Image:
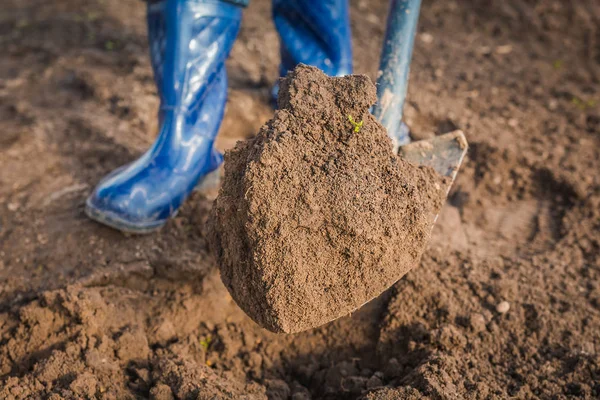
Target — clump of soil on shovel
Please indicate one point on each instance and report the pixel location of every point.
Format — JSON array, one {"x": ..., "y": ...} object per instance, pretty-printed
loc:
[{"x": 316, "y": 215}]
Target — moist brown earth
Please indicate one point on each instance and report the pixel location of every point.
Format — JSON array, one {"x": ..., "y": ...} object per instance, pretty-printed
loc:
[
  {"x": 316, "y": 215},
  {"x": 80, "y": 303}
]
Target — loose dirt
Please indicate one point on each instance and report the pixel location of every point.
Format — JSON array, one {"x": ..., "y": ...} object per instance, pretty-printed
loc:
[
  {"x": 80, "y": 303},
  {"x": 316, "y": 215}
]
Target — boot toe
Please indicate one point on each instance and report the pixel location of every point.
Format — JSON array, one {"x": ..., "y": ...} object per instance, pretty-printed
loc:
[{"x": 128, "y": 209}]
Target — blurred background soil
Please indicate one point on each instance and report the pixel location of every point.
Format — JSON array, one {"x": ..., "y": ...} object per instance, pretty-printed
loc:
[{"x": 505, "y": 303}]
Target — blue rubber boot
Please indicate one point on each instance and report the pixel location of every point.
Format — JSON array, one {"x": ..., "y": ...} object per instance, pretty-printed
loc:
[
  {"x": 189, "y": 43},
  {"x": 314, "y": 32}
]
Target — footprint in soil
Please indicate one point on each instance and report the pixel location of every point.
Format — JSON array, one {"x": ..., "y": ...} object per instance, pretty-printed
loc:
[{"x": 500, "y": 205}]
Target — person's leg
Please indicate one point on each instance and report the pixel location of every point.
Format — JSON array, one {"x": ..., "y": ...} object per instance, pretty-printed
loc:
[
  {"x": 189, "y": 43},
  {"x": 314, "y": 32}
]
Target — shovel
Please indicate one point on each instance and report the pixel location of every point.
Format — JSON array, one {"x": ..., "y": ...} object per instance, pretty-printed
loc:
[{"x": 443, "y": 153}]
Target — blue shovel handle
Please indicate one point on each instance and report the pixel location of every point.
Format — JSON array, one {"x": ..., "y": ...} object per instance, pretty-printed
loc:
[{"x": 392, "y": 82}]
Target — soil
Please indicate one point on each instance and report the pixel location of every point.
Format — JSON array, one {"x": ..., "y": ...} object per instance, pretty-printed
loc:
[
  {"x": 317, "y": 215},
  {"x": 87, "y": 311}
]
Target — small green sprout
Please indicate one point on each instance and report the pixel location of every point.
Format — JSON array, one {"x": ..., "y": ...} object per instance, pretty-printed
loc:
[
  {"x": 92, "y": 16},
  {"x": 583, "y": 104},
  {"x": 205, "y": 342},
  {"x": 356, "y": 125},
  {"x": 22, "y": 24},
  {"x": 557, "y": 64},
  {"x": 109, "y": 45}
]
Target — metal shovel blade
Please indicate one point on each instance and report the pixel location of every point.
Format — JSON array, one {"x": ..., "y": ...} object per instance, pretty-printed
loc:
[{"x": 444, "y": 153}]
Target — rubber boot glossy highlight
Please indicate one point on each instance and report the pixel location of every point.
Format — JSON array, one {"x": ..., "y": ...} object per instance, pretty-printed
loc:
[
  {"x": 314, "y": 32},
  {"x": 189, "y": 43}
]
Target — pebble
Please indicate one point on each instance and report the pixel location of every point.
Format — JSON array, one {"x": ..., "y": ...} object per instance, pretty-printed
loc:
[
  {"x": 484, "y": 50},
  {"x": 505, "y": 49},
  {"x": 503, "y": 307},
  {"x": 426, "y": 37},
  {"x": 372, "y": 18}
]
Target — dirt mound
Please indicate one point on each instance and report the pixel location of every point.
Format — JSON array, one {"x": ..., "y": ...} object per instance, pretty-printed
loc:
[
  {"x": 316, "y": 215},
  {"x": 93, "y": 343}
]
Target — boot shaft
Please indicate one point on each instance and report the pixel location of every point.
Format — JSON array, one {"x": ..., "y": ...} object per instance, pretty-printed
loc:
[
  {"x": 314, "y": 32},
  {"x": 189, "y": 43}
]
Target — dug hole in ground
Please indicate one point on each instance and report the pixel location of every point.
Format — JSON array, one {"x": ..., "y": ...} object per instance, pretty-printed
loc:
[{"x": 505, "y": 302}]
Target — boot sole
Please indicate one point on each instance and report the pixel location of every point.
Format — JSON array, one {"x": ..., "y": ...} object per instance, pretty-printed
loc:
[
  {"x": 210, "y": 182},
  {"x": 114, "y": 221}
]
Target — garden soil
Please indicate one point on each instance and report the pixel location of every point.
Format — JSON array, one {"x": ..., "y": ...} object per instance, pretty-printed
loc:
[
  {"x": 317, "y": 215},
  {"x": 504, "y": 303}
]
